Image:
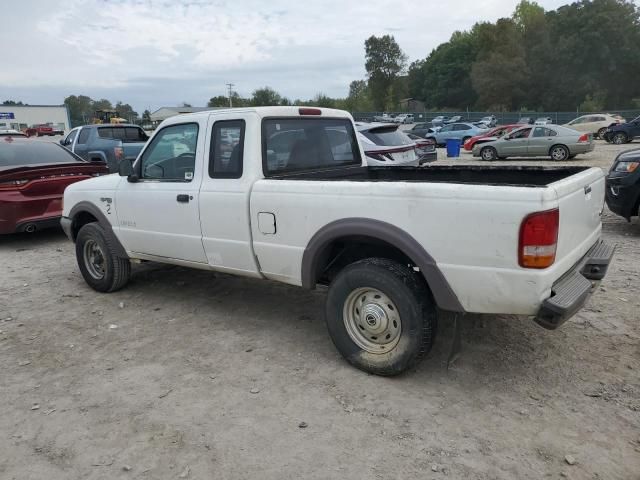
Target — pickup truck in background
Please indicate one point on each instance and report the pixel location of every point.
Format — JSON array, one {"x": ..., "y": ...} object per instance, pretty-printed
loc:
[
  {"x": 106, "y": 143},
  {"x": 39, "y": 131},
  {"x": 273, "y": 193}
]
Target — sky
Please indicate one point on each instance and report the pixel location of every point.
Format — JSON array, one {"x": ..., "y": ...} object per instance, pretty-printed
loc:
[{"x": 153, "y": 53}]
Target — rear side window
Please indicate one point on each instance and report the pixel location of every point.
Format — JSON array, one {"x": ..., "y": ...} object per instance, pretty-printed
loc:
[
  {"x": 84, "y": 136},
  {"x": 388, "y": 136},
  {"x": 19, "y": 153},
  {"x": 298, "y": 144},
  {"x": 105, "y": 132},
  {"x": 227, "y": 149},
  {"x": 461, "y": 126},
  {"x": 134, "y": 134}
]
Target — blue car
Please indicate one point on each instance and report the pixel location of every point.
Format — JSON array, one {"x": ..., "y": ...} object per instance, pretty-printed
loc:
[{"x": 461, "y": 131}]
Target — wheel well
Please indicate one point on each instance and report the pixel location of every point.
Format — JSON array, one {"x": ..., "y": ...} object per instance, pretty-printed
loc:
[
  {"x": 346, "y": 250},
  {"x": 80, "y": 219}
]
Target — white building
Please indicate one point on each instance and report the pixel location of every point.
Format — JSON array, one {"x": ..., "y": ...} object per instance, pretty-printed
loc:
[
  {"x": 165, "y": 112},
  {"x": 22, "y": 116}
]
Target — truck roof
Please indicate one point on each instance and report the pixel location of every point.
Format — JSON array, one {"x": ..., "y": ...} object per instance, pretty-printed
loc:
[{"x": 293, "y": 111}]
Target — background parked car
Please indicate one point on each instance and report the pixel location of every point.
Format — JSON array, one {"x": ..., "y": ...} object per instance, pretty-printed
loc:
[
  {"x": 543, "y": 121},
  {"x": 461, "y": 131},
  {"x": 404, "y": 118},
  {"x": 33, "y": 176},
  {"x": 488, "y": 122},
  {"x": 39, "y": 131},
  {"x": 490, "y": 135},
  {"x": 385, "y": 145},
  {"x": 454, "y": 119},
  {"x": 623, "y": 185},
  {"x": 623, "y": 132},
  {"x": 596, "y": 123},
  {"x": 422, "y": 129},
  {"x": 106, "y": 143},
  {"x": 439, "y": 121},
  {"x": 11, "y": 133},
  {"x": 526, "y": 121},
  {"x": 384, "y": 118},
  {"x": 559, "y": 143},
  {"x": 426, "y": 149}
]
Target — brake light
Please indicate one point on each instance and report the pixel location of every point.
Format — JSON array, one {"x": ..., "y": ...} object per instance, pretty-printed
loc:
[
  {"x": 539, "y": 239},
  {"x": 584, "y": 138},
  {"x": 119, "y": 151},
  {"x": 309, "y": 111}
]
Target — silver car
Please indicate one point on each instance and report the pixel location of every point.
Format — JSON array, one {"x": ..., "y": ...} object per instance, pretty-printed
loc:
[{"x": 559, "y": 143}]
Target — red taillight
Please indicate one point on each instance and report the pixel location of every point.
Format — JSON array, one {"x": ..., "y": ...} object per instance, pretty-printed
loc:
[
  {"x": 119, "y": 153},
  {"x": 539, "y": 239},
  {"x": 584, "y": 138},
  {"x": 309, "y": 111}
]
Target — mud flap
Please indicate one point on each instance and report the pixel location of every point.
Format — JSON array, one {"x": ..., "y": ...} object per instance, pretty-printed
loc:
[{"x": 456, "y": 344}]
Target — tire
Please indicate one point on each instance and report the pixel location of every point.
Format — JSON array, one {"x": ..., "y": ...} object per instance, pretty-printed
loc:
[
  {"x": 488, "y": 154},
  {"x": 559, "y": 153},
  {"x": 381, "y": 316},
  {"x": 601, "y": 132},
  {"x": 619, "y": 138},
  {"x": 101, "y": 268}
]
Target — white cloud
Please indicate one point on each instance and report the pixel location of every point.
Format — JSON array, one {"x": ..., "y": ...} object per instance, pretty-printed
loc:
[{"x": 142, "y": 51}]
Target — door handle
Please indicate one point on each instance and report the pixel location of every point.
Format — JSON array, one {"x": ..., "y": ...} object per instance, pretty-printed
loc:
[{"x": 183, "y": 198}]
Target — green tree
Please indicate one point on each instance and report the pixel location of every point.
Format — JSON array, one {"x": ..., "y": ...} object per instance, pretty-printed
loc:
[
  {"x": 126, "y": 111},
  {"x": 265, "y": 96},
  {"x": 12, "y": 103},
  {"x": 384, "y": 62},
  {"x": 80, "y": 109},
  {"x": 146, "y": 116}
]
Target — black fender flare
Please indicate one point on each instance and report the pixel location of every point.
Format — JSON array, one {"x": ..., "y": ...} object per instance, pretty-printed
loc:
[
  {"x": 443, "y": 294},
  {"x": 102, "y": 220}
]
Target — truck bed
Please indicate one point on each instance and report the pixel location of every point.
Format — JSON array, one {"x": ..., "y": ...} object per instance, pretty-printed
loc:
[{"x": 525, "y": 176}]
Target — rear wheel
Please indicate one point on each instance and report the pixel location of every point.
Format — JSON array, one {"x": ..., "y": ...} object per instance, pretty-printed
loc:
[
  {"x": 101, "y": 268},
  {"x": 619, "y": 138},
  {"x": 559, "y": 153},
  {"x": 489, "y": 153},
  {"x": 380, "y": 316}
]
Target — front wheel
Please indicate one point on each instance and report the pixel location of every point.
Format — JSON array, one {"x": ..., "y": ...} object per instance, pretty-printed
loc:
[
  {"x": 601, "y": 133},
  {"x": 559, "y": 153},
  {"x": 101, "y": 268},
  {"x": 380, "y": 316},
  {"x": 619, "y": 138},
  {"x": 489, "y": 153}
]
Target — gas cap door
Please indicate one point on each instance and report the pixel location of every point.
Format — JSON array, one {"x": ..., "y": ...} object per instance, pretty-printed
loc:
[{"x": 267, "y": 223}]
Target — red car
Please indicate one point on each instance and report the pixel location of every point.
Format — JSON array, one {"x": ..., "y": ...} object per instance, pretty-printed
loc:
[
  {"x": 33, "y": 176},
  {"x": 39, "y": 131},
  {"x": 490, "y": 135}
]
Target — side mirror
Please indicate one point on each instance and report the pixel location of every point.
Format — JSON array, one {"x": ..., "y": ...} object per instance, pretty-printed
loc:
[
  {"x": 63, "y": 142},
  {"x": 125, "y": 169}
]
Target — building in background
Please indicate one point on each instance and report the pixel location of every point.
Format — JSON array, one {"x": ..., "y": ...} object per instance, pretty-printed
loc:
[
  {"x": 18, "y": 117},
  {"x": 165, "y": 112}
]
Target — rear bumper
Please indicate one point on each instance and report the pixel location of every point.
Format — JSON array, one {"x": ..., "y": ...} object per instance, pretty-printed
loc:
[
  {"x": 428, "y": 157},
  {"x": 571, "y": 291}
]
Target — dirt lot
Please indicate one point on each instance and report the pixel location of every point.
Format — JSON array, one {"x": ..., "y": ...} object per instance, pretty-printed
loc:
[{"x": 186, "y": 374}]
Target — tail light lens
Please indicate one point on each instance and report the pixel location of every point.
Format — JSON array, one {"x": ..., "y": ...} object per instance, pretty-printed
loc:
[
  {"x": 380, "y": 157},
  {"x": 119, "y": 151},
  {"x": 309, "y": 111},
  {"x": 584, "y": 138},
  {"x": 539, "y": 239}
]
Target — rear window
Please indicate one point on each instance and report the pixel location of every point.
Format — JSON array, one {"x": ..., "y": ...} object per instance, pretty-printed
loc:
[
  {"x": 21, "y": 153},
  {"x": 126, "y": 134},
  {"x": 298, "y": 144},
  {"x": 387, "y": 136}
]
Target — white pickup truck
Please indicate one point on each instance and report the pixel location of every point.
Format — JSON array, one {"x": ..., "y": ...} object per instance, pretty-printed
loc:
[{"x": 280, "y": 193}]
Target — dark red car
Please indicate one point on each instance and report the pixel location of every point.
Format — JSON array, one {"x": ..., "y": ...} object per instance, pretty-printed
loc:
[
  {"x": 39, "y": 131},
  {"x": 33, "y": 176},
  {"x": 490, "y": 135}
]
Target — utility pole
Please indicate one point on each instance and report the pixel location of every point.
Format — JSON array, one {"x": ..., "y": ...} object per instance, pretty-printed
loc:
[{"x": 230, "y": 85}]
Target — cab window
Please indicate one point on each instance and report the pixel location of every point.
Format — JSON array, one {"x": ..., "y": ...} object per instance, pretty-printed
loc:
[
  {"x": 171, "y": 156},
  {"x": 227, "y": 149}
]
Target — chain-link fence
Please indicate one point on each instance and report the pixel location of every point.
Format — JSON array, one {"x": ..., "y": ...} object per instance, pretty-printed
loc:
[{"x": 503, "y": 118}]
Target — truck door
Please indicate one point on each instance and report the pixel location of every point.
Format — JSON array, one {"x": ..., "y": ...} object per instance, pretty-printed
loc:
[
  {"x": 226, "y": 189},
  {"x": 159, "y": 215}
]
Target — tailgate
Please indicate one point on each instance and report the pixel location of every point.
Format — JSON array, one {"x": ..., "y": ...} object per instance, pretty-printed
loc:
[{"x": 581, "y": 200}]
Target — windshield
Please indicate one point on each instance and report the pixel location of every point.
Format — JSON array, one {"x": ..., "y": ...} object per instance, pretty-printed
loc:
[{"x": 22, "y": 153}]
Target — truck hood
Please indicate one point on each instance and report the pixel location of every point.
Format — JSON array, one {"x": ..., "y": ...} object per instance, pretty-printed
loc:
[{"x": 104, "y": 182}]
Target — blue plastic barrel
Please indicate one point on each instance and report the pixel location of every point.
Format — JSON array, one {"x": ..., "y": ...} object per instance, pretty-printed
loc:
[{"x": 453, "y": 147}]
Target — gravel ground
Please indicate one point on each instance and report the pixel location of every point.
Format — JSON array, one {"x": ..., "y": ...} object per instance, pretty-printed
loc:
[{"x": 187, "y": 374}]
